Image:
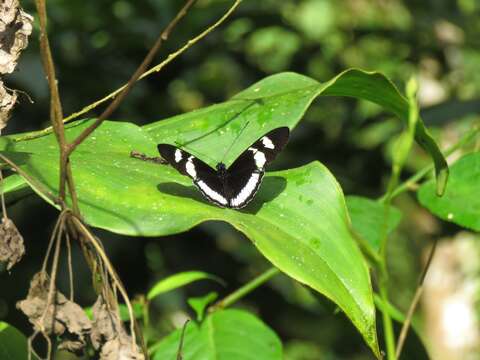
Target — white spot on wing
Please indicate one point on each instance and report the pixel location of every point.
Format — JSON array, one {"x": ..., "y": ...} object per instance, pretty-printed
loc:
[
  {"x": 178, "y": 155},
  {"x": 260, "y": 159},
  {"x": 268, "y": 143},
  {"x": 190, "y": 168},
  {"x": 247, "y": 190},
  {"x": 209, "y": 192}
]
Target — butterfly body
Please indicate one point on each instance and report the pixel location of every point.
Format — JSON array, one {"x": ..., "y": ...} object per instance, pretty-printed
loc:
[{"x": 232, "y": 187}]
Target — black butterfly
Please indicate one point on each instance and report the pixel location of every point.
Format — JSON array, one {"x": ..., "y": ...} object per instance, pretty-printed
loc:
[{"x": 236, "y": 186}]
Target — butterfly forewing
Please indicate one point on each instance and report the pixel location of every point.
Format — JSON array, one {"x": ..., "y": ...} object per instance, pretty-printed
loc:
[
  {"x": 203, "y": 176},
  {"x": 235, "y": 187},
  {"x": 246, "y": 173}
]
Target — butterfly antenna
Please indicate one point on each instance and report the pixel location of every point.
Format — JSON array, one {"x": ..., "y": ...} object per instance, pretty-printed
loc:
[
  {"x": 234, "y": 141},
  {"x": 182, "y": 146}
]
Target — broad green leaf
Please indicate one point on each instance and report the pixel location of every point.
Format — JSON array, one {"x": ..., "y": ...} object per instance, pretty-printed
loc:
[
  {"x": 281, "y": 100},
  {"x": 376, "y": 88},
  {"x": 199, "y": 304},
  {"x": 298, "y": 220},
  {"x": 223, "y": 335},
  {"x": 13, "y": 344},
  {"x": 461, "y": 202},
  {"x": 368, "y": 218},
  {"x": 179, "y": 280}
]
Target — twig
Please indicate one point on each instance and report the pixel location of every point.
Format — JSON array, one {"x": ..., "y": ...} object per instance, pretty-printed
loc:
[
  {"x": 245, "y": 289},
  {"x": 136, "y": 75},
  {"x": 416, "y": 298},
  {"x": 57, "y": 235},
  {"x": 106, "y": 261},
  {"x": 56, "y": 114},
  {"x": 154, "y": 69},
  {"x": 70, "y": 265},
  {"x": 40, "y": 188},
  {"x": 4, "y": 207},
  {"x": 141, "y": 156},
  {"x": 182, "y": 338},
  {"x": 52, "y": 239}
]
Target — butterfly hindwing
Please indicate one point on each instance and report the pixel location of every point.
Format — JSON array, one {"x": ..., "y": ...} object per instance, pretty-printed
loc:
[{"x": 203, "y": 176}]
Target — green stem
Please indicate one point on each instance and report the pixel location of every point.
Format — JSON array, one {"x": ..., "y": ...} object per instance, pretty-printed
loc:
[
  {"x": 245, "y": 289},
  {"x": 387, "y": 322},
  {"x": 468, "y": 137},
  {"x": 403, "y": 146}
]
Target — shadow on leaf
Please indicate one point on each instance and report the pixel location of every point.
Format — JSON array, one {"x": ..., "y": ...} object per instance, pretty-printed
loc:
[{"x": 271, "y": 187}]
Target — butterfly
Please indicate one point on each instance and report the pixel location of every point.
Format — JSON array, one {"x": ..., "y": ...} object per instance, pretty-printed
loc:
[{"x": 236, "y": 186}]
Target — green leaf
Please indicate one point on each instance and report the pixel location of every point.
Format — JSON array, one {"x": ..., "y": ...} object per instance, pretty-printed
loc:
[
  {"x": 281, "y": 100},
  {"x": 461, "y": 202},
  {"x": 368, "y": 218},
  {"x": 179, "y": 280},
  {"x": 122, "y": 194},
  {"x": 14, "y": 187},
  {"x": 224, "y": 335},
  {"x": 13, "y": 344},
  {"x": 298, "y": 220},
  {"x": 199, "y": 304},
  {"x": 12, "y": 183}
]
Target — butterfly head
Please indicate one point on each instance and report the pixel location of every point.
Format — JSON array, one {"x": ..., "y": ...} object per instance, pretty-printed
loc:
[{"x": 221, "y": 169}]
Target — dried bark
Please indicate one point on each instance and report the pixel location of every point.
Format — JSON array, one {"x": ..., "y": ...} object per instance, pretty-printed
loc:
[
  {"x": 109, "y": 337},
  {"x": 15, "y": 27},
  {"x": 12, "y": 248},
  {"x": 62, "y": 317}
]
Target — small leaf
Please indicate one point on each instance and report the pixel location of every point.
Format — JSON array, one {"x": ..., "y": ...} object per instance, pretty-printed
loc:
[
  {"x": 13, "y": 344},
  {"x": 461, "y": 202},
  {"x": 368, "y": 218},
  {"x": 199, "y": 304},
  {"x": 179, "y": 280},
  {"x": 224, "y": 335}
]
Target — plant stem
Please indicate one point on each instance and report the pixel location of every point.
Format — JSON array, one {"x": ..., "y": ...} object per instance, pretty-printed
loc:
[
  {"x": 245, "y": 289},
  {"x": 468, "y": 137},
  {"x": 403, "y": 146},
  {"x": 411, "y": 310},
  {"x": 387, "y": 322}
]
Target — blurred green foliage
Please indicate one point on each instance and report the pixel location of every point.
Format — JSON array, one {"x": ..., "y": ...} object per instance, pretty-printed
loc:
[{"x": 98, "y": 44}]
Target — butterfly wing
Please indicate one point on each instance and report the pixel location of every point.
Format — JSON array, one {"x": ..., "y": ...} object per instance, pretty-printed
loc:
[
  {"x": 245, "y": 175},
  {"x": 203, "y": 176}
]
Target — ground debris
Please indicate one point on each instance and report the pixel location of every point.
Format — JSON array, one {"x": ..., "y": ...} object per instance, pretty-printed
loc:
[
  {"x": 12, "y": 248},
  {"x": 62, "y": 318},
  {"x": 109, "y": 337}
]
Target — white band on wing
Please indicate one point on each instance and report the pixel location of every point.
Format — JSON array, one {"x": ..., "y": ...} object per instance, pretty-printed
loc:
[
  {"x": 212, "y": 194},
  {"x": 247, "y": 190}
]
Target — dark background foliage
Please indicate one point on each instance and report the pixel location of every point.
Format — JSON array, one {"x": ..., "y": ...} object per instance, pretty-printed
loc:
[{"x": 98, "y": 44}]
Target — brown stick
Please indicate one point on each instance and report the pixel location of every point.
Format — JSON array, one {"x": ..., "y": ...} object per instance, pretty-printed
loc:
[
  {"x": 413, "y": 305},
  {"x": 140, "y": 70},
  {"x": 56, "y": 114}
]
